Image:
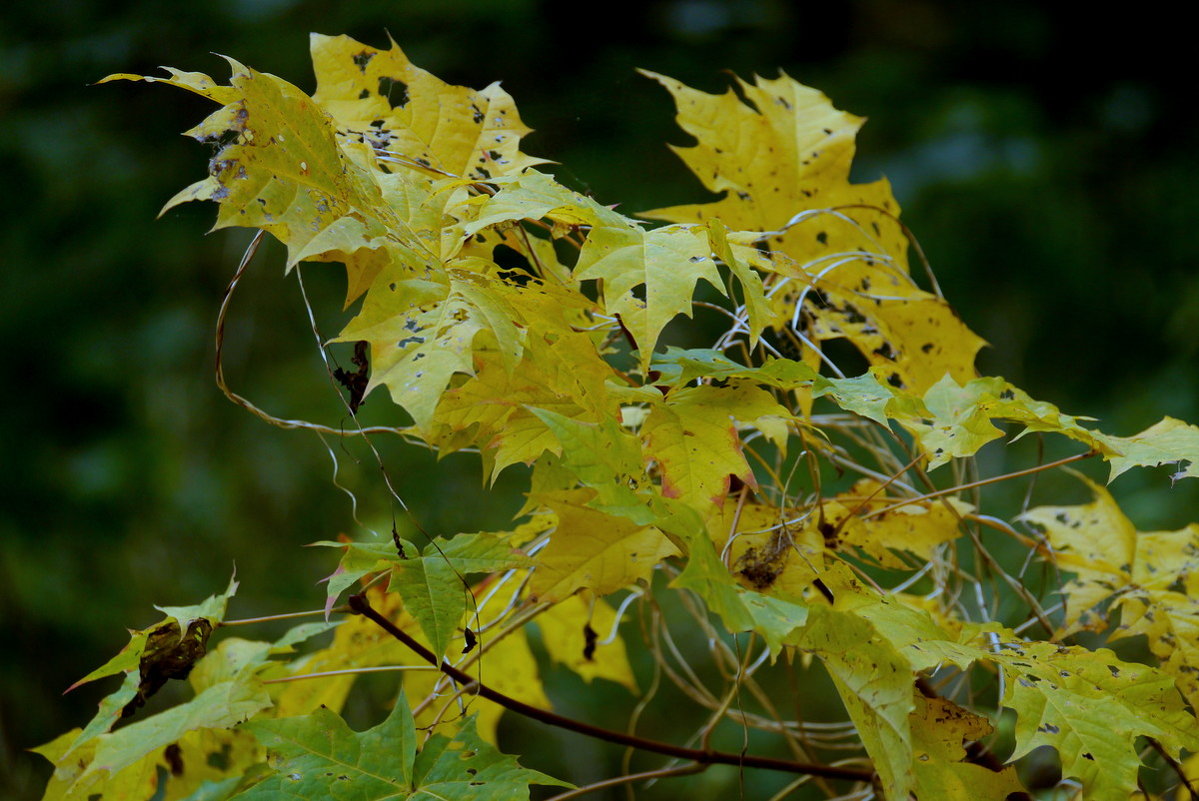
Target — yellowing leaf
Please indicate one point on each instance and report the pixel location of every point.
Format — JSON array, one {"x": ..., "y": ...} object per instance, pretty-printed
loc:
[
  {"x": 939, "y": 730},
  {"x": 875, "y": 683},
  {"x": 561, "y": 372},
  {"x": 1096, "y": 542},
  {"x": 693, "y": 435},
  {"x": 917, "y": 528},
  {"x": 573, "y": 632},
  {"x": 357, "y": 642},
  {"x": 787, "y": 152},
  {"x": 1170, "y": 622},
  {"x": 74, "y": 781},
  {"x": 423, "y": 332},
  {"x": 534, "y": 195},
  {"x": 594, "y": 550},
  {"x": 771, "y": 550},
  {"x": 666, "y": 262}
]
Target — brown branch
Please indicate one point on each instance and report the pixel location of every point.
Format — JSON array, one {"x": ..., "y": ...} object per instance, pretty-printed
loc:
[
  {"x": 1174, "y": 766},
  {"x": 361, "y": 605}
]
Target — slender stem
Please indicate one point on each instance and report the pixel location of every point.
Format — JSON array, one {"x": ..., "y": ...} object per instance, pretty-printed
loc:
[
  {"x": 632, "y": 777},
  {"x": 362, "y": 606},
  {"x": 992, "y": 480},
  {"x": 285, "y": 616},
  {"x": 349, "y": 672}
]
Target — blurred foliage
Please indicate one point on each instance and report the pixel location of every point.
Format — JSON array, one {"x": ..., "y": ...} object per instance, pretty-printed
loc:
[{"x": 1047, "y": 171}]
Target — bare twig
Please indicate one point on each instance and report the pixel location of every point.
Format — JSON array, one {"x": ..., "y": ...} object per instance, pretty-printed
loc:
[{"x": 362, "y": 606}]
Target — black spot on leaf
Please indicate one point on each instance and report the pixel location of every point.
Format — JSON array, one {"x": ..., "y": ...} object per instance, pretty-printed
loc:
[
  {"x": 395, "y": 90},
  {"x": 362, "y": 59}
]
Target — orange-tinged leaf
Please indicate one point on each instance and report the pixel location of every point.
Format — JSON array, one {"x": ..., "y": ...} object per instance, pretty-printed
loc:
[{"x": 693, "y": 436}]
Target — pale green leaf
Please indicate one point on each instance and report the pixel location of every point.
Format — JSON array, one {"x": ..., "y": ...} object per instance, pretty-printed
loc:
[
  {"x": 222, "y": 705},
  {"x": 875, "y": 683},
  {"x": 666, "y": 263},
  {"x": 604, "y": 457},
  {"x": 1168, "y": 441},
  {"x": 319, "y": 757},
  {"x": 593, "y": 549}
]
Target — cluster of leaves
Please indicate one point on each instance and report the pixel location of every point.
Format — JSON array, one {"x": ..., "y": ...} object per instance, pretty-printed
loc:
[{"x": 784, "y": 501}]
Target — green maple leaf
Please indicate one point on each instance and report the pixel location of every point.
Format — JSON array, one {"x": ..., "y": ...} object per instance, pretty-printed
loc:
[
  {"x": 433, "y": 585},
  {"x": 1091, "y": 707},
  {"x": 1167, "y": 441},
  {"x": 357, "y": 560},
  {"x": 318, "y": 756},
  {"x": 605, "y": 458}
]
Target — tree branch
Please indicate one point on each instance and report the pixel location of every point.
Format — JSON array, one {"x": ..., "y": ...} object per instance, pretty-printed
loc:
[{"x": 360, "y": 605}]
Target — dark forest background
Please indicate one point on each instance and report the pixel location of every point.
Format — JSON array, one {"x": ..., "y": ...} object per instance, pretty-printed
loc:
[{"x": 1048, "y": 164}]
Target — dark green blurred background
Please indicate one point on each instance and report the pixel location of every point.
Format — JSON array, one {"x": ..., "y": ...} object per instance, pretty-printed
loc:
[{"x": 1048, "y": 164}]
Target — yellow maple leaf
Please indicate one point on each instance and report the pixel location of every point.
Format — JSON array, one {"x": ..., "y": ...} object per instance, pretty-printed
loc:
[
  {"x": 405, "y": 113},
  {"x": 575, "y": 634},
  {"x": 782, "y": 160}
]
